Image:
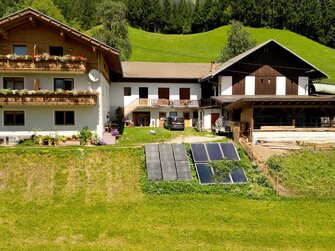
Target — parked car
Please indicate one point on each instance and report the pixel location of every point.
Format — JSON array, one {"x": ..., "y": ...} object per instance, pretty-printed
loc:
[{"x": 174, "y": 123}]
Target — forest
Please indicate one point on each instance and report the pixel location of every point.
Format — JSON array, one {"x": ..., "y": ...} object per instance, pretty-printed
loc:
[{"x": 314, "y": 19}]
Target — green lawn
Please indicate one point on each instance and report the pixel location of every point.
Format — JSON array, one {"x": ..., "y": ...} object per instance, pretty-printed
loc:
[
  {"x": 141, "y": 135},
  {"x": 306, "y": 172},
  {"x": 91, "y": 199},
  {"x": 205, "y": 47}
]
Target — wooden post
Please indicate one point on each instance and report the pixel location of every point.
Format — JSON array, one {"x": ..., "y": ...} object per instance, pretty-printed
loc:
[
  {"x": 293, "y": 117},
  {"x": 331, "y": 118},
  {"x": 236, "y": 134}
]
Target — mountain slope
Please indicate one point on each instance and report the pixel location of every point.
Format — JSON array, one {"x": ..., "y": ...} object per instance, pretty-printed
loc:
[{"x": 206, "y": 47}]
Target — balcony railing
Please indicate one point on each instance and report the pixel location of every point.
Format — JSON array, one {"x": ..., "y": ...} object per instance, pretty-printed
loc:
[
  {"x": 49, "y": 98},
  {"x": 51, "y": 63},
  {"x": 166, "y": 103}
]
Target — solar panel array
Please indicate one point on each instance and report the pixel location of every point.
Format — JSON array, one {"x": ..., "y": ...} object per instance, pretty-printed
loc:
[
  {"x": 207, "y": 152},
  {"x": 167, "y": 162}
]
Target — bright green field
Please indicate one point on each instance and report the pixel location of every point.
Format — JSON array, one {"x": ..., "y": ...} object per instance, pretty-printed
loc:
[
  {"x": 141, "y": 135},
  {"x": 306, "y": 172},
  {"x": 206, "y": 47},
  {"x": 91, "y": 199}
]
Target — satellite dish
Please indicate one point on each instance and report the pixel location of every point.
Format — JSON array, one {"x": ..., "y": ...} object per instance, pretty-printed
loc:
[{"x": 94, "y": 75}]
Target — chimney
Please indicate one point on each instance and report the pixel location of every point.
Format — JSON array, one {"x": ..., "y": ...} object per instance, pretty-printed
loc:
[{"x": 213, "y": 66}]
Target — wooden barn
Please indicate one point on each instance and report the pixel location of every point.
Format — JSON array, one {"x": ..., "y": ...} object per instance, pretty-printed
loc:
[{"x": 266, "y": 91}]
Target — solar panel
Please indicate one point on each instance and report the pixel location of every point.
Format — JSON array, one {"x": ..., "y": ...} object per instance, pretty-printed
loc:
[
  {"x": 165, "y": 147},
  {"x": 152, "y": 157},
  {"x": 154, "y": 171},
  {"x": 199, "y": 153},
  {"x": 204, "y": 173},
  {"x": 229, "y": 151},
  {"x": 238, "y": 175},
  {"x": 222, "y": 179},
  {"x": 214, "y": 151},
  {"x": 169, "y": 170},
  {"x": 183, "y": 170},
  {"x": 151, "y": 148},
  {"x": 179, "y": 152},
  {"x": 166, "y": 156}
]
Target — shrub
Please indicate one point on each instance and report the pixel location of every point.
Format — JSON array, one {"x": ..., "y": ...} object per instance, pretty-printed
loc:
[{"x": 85, "y": 134}]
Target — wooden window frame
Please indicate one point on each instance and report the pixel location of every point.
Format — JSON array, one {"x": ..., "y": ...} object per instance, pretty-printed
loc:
[
  {"x": 64, "y": 118},
  {"x": 72, "y": 85},
  {"x": 14, "y": 112},
  {"x": 127, "y": 91},
  {"x": 22, "y": 46},
  {"x": 5, "y": 79}
]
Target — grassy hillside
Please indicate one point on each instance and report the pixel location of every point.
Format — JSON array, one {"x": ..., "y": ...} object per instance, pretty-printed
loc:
[
  {"x": 91, "y": 199},
  {"x": 205, "y": 47}
]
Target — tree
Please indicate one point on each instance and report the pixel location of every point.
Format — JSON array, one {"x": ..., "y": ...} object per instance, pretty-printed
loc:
[
  {"x": 114, "y": 30},
  {"x": 46, "y": 6},
  {"x": 238, "y": 42}
]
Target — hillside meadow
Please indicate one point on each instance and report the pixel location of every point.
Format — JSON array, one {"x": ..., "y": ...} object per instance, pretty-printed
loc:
[
  {"x": 82, "y": 198},
  {"x": 206, "y": 47}
]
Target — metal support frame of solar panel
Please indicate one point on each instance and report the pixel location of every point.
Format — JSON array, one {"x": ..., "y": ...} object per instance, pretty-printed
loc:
[{"x": 153, "y": 164}]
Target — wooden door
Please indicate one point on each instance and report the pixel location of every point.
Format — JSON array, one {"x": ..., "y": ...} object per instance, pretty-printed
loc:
[
  {"x": 238, "y": 85},
  {"x": 291, "y": 86},
  {"x": 184, "y": 93},
  {"x": 186, "y": 116},
  {"x": 162, "y": 116},
  {"x": 265, "y": 86},
  {"x": 164, "y": 93},
  {"x": 214, "y": 117}
]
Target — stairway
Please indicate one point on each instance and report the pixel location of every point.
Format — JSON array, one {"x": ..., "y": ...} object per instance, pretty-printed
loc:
[{"x": 108, "y": 139}]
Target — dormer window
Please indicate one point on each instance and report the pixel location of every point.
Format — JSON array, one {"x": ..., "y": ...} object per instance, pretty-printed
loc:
[
  {"x": 56, "y": 51},
  {"x": 20, "y": 50}
]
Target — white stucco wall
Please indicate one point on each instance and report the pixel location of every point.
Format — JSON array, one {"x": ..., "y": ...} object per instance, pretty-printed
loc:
[
  {"x": 226, "y": 85},
  {"x": 42, "y": 117},
  {"x": 250, "y": 85},
  {"x": 117, "y": 97},
  {"x": 302, "y": 83},
  {"x": 280, "y": 85},
  {"x": 206, "y": 120}
]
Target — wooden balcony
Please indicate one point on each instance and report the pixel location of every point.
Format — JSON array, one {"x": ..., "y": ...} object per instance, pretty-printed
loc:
[
  {"x": 156, "y": 103},
  {"x": 42, "y": 65},
  {"x": 83, "y": 98}
]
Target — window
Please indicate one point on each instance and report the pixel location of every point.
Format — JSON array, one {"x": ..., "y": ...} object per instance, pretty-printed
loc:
[
  {"x": 64, "y": 117},
  {"x": 56, "y": 50},
  {"x": 13, "y": 118},
  {"x": 13, "y": 83},
  {"x": 63, "y": 84},
  {"x": 127, "y": 91},
  {"x": 143, "y": 91},
  {"x": 172, "y": 114},
  {"x": 20, "y": 50}
]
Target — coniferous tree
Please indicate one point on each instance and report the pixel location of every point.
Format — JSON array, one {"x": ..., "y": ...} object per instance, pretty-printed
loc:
[{"x": 115, "y": 27}]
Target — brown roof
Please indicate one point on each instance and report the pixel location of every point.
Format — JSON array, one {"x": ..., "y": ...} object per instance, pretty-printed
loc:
[
  {"x": 111, "y": 55},
  {"x": 155, "y": 70}
]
